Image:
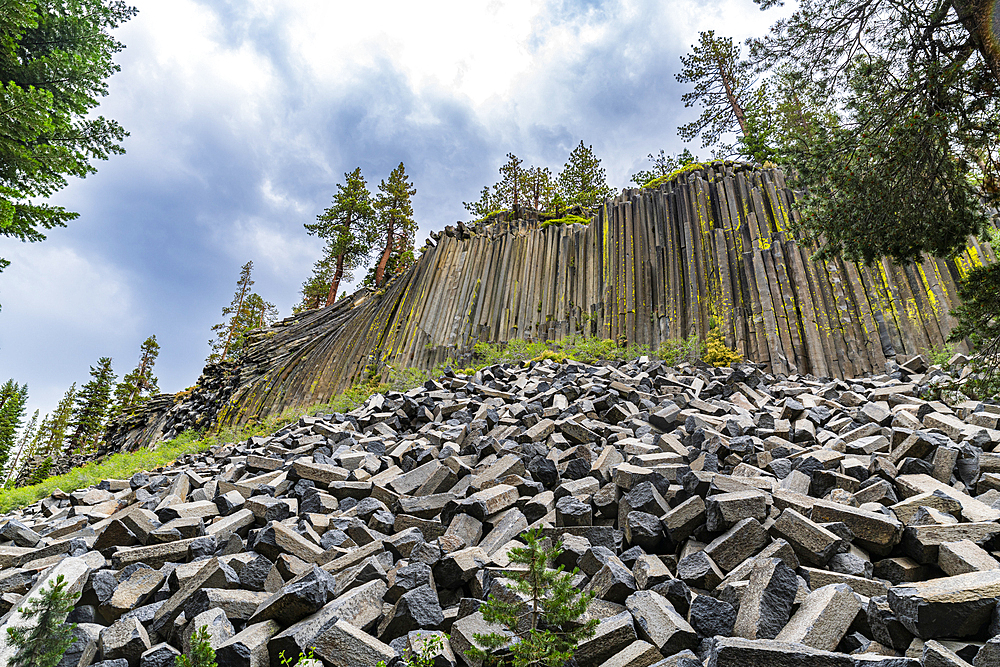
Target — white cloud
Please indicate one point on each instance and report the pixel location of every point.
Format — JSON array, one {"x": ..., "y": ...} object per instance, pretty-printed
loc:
[
  {"x": 61, "y": 312},
  {"x": 49, "y": 285}
]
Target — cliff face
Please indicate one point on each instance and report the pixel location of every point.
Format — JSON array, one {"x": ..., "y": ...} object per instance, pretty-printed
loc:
[{"x": 710, "y": 248}]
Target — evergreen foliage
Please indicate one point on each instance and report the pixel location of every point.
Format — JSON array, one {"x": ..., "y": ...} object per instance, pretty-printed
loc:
[
  {"x": 347, "y": 227},
  {"x": 979, "y": 321},
  {"x": 510, "y": 189},
  {"x": 663, "y": 166},
  {"x": 27, "y": 438},
  {"x": 582, "y": 181},
  {"x": 139, "y": 384},
  {"x": 487, "y": 203},
  {"x": 55, "y": 59},
  {"x": 540, "y": 190},
  {"x": 533, "y": 188},
  {"x": 395, "y": 227},
  {"x": 722, "y": 87},
  {"x": 246, "y": 312},
  {"x": 316, "y": 288},
  {"x": 899, "y": 144},
  {"x": 201, "y": 654},
  {"x": 547, "y": 623},
  {"x": 44, "y": 643},
  {"x": 48, "y": 440},
  {"x": 13, "y": 398},
  {"x": 93, "y": 404}
]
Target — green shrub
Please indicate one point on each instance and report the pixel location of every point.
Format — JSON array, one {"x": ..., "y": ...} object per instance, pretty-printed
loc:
[
  {"x": 939, "y": 356},
  {"x": 676, "y": 351},
  {"x": 305, "y": 658},
  {"x": 979, "y": 321},
  {"x": 716, "y": 353},
  {"x": 430, "y": 648},
  {"x": 404, "y": 379}
]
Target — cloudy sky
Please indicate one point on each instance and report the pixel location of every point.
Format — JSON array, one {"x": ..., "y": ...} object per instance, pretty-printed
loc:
[{"x": 244, "y": 114}]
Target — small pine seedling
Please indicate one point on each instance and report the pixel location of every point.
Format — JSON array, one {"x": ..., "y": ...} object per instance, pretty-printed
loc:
[
  {"x": 44, "y": 643},
  {"x": 432, "y": 645},
  {"x": 202, "y": 653},
  {"x": 546, "y": 624},
  {"x": 305, "y": 658}
]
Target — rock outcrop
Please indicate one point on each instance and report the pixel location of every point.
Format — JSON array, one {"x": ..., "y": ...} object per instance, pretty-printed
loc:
[{"x": 710, "y": 249}]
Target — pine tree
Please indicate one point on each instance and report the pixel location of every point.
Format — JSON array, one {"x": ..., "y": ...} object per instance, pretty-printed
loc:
[
  {"x": 553, "y": 608},
  {"x": 539, "y": 189},
  {"x": 908, "y": 165},
  {"x": 723, "y": 86},
  {"x": 140, "y": 384},
  {"x": 316, "y": 289},
  {"x": 201, "y": 654},
  {"x": 247, "y": 311},
  {"x": 228, "y": 329},
  {"x": 48, "y": 440},
  {"x": 510, "y": 189},
  {"x": 582, "y": 181},
  {"x": 92, "y": 406},
  {"x": 55, "y": 59},
  {"x": 487, "y": 203},
  {"x": 347, "y": 227},
  {"x": 59, "y": 423},
  {"x": 44, "y": 643},
  {"x": 395, "y": 226},
  {"x": 13, "y": 398},
  {"x": 28, "y": 435},
  {"x": 663, "y": 165}
]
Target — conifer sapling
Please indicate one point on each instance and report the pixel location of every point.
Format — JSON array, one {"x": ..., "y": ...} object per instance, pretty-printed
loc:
[
  {"x": 545, "y": 617},
  {"x": 44, "y": 643},
  {"x": 201, "y": 653}
]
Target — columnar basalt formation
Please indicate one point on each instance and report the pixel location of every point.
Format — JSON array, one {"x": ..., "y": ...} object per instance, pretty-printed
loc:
[{"x": 710, "y": 248}]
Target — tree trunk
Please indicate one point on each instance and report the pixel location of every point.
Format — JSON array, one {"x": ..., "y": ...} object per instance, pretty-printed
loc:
[
  {"x": 389, "y": 243},
  {"x": 982, "y": 19},
  {"x": 734, "y": 103},
  {"x": 331, "y": 297}
]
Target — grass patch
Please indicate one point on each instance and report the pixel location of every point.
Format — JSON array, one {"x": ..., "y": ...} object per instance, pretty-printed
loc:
[
  {"x": 585, "y": 350},
  {"x": 116, "y": 466},
  {"x": 577, "y": 348},
  {"x": 126, "y": 464}
]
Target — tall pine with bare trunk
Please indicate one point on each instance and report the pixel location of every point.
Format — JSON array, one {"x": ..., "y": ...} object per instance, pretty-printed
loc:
[
  {"x": 347, "y": 228},
  {"x": 723, "y": 87},
  {"x": 395, "y": 227},
  {"x": 93, "y": 404},
  {"x": 246, "y": 312}
]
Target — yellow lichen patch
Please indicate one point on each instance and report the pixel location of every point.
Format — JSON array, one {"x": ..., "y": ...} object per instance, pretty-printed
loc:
[{"x": 931, "y": 297}]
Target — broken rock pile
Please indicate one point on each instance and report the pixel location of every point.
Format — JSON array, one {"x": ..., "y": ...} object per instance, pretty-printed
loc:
[{"x": 722, "y": 517}]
